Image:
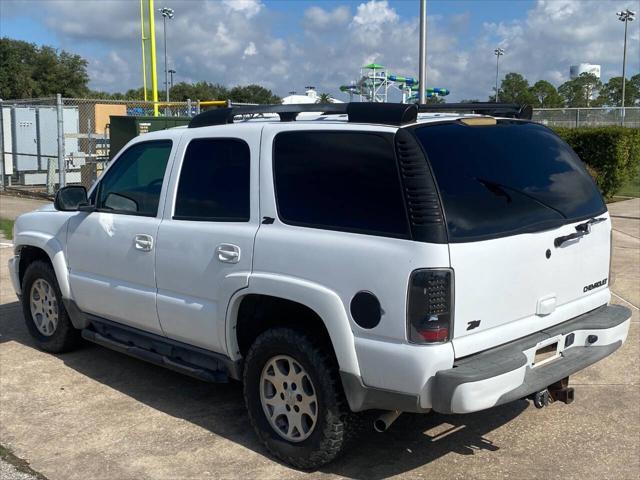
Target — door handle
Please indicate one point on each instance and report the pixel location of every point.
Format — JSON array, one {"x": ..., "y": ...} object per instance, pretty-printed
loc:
[
  {"x": 143, "y": 242},
  {"x": 228, "y": 253}
]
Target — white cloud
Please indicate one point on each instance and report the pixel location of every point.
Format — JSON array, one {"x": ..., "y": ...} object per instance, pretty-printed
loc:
[
  {"x": 371, "y": 18},
  {"x": 250, "y": 51},
  {"x": 320, "y": 19},
  {"x": 250, "y": 8},
  {"x": 374, "y": 13},
  {"x": 239, "y": 42}
]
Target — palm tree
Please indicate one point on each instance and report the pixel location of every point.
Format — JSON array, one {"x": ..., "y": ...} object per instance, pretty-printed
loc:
[{"x": 324, "y": 98}]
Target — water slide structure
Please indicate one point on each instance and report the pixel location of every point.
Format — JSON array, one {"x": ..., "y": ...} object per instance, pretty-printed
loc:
[{"x": 375, "y": 82}]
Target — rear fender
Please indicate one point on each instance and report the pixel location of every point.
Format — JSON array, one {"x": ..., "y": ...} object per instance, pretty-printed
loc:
[{"x": 323, "y": 301}]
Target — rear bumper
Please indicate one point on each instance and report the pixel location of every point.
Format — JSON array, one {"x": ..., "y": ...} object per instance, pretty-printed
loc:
[
  {"x": 507, "y": 373},
  {"x": 414, "y": 379}
]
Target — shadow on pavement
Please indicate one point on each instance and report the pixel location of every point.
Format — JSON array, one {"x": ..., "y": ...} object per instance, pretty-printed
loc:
[{"x": 413, "y": 441}]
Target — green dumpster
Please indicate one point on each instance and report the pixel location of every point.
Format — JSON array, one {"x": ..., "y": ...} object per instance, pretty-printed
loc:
[{"x": 124, "y": 128}]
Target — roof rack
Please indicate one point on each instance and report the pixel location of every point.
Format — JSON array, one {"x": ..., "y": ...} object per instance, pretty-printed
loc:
[
  {"x": 360, "y": 112},
  {"x": 510, "y": 110}
]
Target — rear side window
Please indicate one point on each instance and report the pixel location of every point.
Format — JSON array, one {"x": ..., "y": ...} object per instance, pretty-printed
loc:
[
  {"x": 509, "y": 178},
  {"x": 344, "y": 181},
  {"x": 214, "y": 181}
]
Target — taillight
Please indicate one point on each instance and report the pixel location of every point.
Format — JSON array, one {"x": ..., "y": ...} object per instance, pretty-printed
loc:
[
  {"x": 429, "y": 312},
  {"x": 612, "y": 277}
]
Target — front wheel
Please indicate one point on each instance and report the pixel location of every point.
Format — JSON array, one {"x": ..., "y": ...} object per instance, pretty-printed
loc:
[
  {"x": 295, "y": 400},
  {"x": 44, "y": 313}
]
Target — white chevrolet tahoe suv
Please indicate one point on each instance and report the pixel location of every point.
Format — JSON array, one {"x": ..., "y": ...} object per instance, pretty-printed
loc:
[{"x": 366, "y": 257}]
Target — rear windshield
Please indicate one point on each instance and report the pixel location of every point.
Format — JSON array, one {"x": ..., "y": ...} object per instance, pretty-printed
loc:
[{"x": 509, "y": 178}]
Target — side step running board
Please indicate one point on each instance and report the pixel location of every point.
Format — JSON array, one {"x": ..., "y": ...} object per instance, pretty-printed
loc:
[{"x": 168, "y": 358}]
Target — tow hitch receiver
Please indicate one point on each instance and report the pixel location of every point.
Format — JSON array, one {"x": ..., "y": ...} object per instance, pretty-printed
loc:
[{"x": 559, "y": 391}]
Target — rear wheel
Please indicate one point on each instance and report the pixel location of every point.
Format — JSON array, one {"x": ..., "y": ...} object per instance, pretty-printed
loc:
[
  {"x": 295, "y": 400},
  {"x": 44, "y": 312}
]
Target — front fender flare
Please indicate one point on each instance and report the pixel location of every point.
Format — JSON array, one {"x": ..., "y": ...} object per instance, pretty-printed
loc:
[
  {"x": 323, "y": 301},
  {"x": 54, "y": 250}
]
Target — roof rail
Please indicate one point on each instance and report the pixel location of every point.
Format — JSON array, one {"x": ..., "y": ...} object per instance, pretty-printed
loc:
[
  {"x": 361, "y": 112},
  {"x": 510, "y": 110},
  {"x": 287, "y": 113}
]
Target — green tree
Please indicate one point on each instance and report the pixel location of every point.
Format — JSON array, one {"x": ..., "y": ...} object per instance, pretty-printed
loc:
[
  {"x": 435, "y": 100},
  {"x": 611, "y": 92},
  {"x": 252, "y": 94},
  {"x": 579, "y": 92},
  {"x": 514, "y": 88},
  {"x": 545, "y": 95},
  {"x": 131, "y": 94},
  {"x": 183, "y": 91},
  {"x": 324, "y": 98},
  {"x": 635, "y": 83},
  {"x": 27, "y": 71}
]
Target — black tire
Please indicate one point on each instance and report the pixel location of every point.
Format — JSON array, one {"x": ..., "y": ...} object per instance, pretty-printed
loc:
[
  {"x": 335, "y": 422},
  {"x": 65, "y": 337}
]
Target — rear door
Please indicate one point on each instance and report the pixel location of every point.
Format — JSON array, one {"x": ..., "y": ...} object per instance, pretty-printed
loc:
[
  {"x": 205, "y": 242},
  {"x": 509, "y": 190}
]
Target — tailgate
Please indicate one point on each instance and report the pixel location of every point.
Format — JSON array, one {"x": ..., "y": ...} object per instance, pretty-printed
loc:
[
  {"x": 528, "y": 231},
  {"x": 507, "y": 288}
]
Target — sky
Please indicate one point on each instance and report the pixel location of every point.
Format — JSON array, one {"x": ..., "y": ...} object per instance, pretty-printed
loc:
[{"x": 286, "y": 45}]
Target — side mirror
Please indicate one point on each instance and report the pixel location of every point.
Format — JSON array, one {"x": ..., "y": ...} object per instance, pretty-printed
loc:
[{"x": 70, "y": 199}]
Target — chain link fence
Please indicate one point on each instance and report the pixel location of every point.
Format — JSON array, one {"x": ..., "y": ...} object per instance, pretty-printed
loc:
[
  {"x": 588, "y": 117},
  {"x": 49, "y": 142}
]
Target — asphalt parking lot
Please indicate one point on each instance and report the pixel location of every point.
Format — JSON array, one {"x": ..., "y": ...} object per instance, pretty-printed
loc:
[{"x": 98, "y": 414}]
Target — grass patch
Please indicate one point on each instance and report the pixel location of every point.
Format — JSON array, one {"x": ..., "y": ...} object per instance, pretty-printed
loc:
[
  {"x": 631, "y": 188},
  {"x": 6, "y": 227},
  {"x": 19, "y": 464}
]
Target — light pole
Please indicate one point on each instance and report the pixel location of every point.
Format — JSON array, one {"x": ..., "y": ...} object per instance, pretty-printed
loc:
[
  {"x": 166, "y": 13},
  {"x": 497, "y": 52},
  {"x": 422, "y": 73},
  {"x": 625, "y": 16},
  {"x": 171, "y": 73}
]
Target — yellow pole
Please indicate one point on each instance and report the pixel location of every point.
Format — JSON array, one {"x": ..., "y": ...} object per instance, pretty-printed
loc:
[
  {"x": 144, "y": 57},
  {"x": 154, "y": 77}
]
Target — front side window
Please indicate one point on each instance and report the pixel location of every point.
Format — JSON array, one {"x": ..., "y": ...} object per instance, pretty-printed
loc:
[
  {"x": 214, "y": 181},
  {"x": 346, "y": 181},
  {"x": 509, "y": 178},
  {"x": 133, "y": 184}
]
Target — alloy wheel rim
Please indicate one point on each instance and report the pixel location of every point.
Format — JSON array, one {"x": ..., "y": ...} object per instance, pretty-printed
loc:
[
  {"x": 288, "y": 398},
  {"x": 44, "y": 307}
]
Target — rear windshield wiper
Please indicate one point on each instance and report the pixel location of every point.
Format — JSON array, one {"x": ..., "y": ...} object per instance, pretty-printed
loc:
[
  {"x": 581, "y": 230},
  {"x": 501, "y": 190}
]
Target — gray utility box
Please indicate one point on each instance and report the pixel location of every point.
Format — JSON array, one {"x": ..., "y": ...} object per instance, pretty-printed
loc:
[{"x": 30, "y": 139}]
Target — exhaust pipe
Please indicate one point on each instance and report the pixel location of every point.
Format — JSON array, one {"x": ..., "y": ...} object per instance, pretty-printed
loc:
[
  {"x": 384, "y": 421},
  {"x": 541, "y": 399}
]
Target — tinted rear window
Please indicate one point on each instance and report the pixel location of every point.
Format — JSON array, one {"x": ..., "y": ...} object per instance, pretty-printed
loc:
[
  {"x": 509, "y": 178},
  {"x": 214, "y": 181},
  {"x": 345, "y": 181}
]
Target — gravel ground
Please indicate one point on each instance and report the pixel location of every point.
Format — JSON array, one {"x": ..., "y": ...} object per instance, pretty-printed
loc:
[
  {"x": 9, "y": 472},
  {"x": 14, "y": 468}
]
